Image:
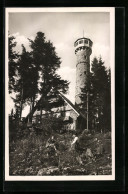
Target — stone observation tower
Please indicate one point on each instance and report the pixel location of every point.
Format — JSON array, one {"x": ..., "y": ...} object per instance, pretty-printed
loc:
[{"x": 83, "y": 50}]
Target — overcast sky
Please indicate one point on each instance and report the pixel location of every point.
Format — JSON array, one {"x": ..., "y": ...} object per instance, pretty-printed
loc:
[{"x": 63, "y": 29}]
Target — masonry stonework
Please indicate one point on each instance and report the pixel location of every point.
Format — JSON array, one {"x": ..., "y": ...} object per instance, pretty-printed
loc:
[{"x": 83, "y": 51}]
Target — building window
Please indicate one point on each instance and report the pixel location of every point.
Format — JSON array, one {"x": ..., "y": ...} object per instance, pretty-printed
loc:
[{"x": 63, "y": 113}]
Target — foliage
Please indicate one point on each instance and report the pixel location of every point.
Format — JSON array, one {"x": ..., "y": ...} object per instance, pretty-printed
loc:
[
  {"x": 49, "y": 125},
  {"x": 12, "y": 62},
  {"x": 27, "y": 77},
  {"x": 99, "y": 96},
  {"x": 29, "y": 155},
  {"x": 47, "y": 62},
  {"x": 35, "y": 73}
]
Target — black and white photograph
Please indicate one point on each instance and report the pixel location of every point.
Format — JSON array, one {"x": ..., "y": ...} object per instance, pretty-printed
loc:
[{"x": 60, "y": 94}]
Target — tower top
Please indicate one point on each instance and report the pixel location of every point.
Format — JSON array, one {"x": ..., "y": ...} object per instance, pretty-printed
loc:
[
  {"x": 83, "y": 43},
  {"x": 84, "y": 40}
]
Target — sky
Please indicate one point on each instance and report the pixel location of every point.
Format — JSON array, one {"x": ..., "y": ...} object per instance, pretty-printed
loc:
[{"x": 63, "y": 29}]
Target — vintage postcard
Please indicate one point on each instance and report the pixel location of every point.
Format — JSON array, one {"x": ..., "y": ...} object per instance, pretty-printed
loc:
[{"x": 59, "y": 94}]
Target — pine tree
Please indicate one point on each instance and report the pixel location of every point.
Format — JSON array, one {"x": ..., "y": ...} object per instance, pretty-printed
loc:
[{"x": 47, "y": 63}]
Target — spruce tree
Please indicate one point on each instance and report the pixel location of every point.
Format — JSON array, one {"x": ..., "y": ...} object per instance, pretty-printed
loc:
[{"x": 100, "y": 103}]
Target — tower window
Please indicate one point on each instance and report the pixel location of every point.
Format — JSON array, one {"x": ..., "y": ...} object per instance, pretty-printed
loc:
[
  {"x": 75, "y": 44},
  {"x": 81, "y": 41},
  {"x": 86, "y": 41},
  {"x": 90, "y": 43}
]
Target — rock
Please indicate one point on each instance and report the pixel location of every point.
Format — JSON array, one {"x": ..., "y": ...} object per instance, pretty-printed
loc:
[
  {"x": 52, "y": 170},
  {"x": 66, "y": 169},
  {"x": 42, "y": 172},
  {"x": 93, "y": 173},
  {"x": 48, "y": 171},
  {"x": 28, "y": 169},
  {"x": 89, "y": 153},
  {"x": 79, "y": 159},
  {"x": 107, "y": 167},
  {"x": 15, "y": 172}
]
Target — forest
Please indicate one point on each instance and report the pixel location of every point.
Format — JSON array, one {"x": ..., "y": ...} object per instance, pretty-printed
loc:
[{"x": 44, "y": 148}]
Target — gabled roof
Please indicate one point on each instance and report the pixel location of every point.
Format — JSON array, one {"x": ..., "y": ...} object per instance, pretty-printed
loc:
[
  {"x": 69, "y": 103},
  {"x": 74, "y": 107}
]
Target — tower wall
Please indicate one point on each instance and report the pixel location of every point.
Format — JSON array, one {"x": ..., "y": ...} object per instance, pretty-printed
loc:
[{"x": 83, "y": 53}]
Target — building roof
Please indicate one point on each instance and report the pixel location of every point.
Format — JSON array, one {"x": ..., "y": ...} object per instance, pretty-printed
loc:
[{"x": 74, "y": 107}]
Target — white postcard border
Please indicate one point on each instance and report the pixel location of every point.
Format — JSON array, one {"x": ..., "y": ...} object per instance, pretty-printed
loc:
[{"x": 111, "y": 10}]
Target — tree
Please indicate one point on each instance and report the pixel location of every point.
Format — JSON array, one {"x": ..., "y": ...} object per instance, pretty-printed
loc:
[
  {"x": 99, "y": 96},
  {"x": 47, "y": 63},
  {"x": 26, "y": 84},
  {"x": 12, "y": 62},
  {"x": 107, "y": 108},
  {"x": 100, "y": 103}
]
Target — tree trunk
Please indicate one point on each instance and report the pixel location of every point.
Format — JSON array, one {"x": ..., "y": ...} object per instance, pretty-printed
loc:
[
  {"x": 21, "y": 104},
  {"x": 31, "y": 109},
  {"x": 21, "y": 109},
  {"x": 40, "y": 113}
]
